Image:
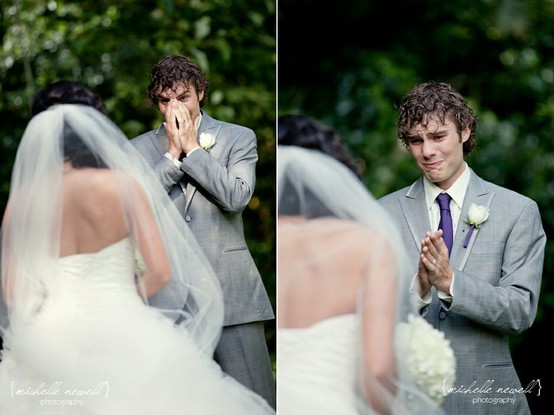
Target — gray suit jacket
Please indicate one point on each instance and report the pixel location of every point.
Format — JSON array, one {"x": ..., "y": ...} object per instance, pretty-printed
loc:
[
  {"x": 496, "y": 290},
  {"x": 211, "y": 189}
]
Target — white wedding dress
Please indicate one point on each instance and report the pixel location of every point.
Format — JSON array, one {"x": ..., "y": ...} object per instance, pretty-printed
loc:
[
  {"x": 318, "y": 368},
  {"x": 95, "y": 348}
]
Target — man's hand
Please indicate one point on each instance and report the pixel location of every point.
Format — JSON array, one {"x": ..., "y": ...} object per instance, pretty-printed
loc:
[
  {"x": 181, "y": 129},
  {"x": 434, "y": 263}
]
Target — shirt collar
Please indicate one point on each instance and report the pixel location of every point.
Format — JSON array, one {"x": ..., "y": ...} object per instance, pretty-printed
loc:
[{"x": 457, "y": 191}]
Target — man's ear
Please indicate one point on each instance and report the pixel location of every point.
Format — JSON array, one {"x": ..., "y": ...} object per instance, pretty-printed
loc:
[{"x": 465, "y": 134}]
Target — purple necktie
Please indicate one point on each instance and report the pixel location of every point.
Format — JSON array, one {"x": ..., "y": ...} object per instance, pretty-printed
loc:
[{"x": 446, "y": 220}]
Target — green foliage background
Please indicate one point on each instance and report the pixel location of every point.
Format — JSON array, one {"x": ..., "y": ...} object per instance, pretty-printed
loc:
[
  {"x": 111, "y": 47},
  {"x": 348, "y": 63}
]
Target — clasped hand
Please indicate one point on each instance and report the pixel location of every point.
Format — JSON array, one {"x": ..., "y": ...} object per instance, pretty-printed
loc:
[
  {"x": 181, "y": 129},
  {"x": 434, "y": 264}
]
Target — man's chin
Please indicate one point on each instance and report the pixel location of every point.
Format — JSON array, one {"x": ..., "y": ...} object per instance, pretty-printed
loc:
[{"x": 433, "y": 176}]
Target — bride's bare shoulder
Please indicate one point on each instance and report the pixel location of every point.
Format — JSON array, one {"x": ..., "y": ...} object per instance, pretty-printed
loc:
[{"x": 326, "y": 225}]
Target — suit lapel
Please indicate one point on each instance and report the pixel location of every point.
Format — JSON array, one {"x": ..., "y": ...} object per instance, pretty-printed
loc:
[
  {"x": 161, "y": 142},
  {"x": 415, "y": 212},
  {"x": 476, "y": 193},
  {"x": 209, "y": 126}
]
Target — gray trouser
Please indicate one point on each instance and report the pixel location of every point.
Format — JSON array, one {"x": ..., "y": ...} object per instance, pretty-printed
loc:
[{"x": 242, "y": 353}]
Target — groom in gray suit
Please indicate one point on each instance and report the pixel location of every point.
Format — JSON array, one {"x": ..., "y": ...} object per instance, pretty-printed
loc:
[
  {"x": 485, "y": 286},
  {"x": 208, "y": 168}
]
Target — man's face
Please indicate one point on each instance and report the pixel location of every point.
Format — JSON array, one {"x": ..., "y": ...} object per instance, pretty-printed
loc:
[
  {"x": 186, "y": 94},
  {"x": 438, "y": 150}
]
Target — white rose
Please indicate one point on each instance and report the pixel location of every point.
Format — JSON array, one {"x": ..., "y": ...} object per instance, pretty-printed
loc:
[
  {"x": 477, "y": 214},
  {"x": 206, "y": 141}
]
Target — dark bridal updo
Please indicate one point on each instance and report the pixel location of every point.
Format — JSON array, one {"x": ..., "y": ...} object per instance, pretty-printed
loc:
[{"x": 69, "y": 92}]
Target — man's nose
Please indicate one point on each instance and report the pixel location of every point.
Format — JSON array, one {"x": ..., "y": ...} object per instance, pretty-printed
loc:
[{"x": 428, "y": 148}]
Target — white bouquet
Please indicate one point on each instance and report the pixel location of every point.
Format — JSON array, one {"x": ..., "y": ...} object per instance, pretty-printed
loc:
[{"x": 426, "y": 356}]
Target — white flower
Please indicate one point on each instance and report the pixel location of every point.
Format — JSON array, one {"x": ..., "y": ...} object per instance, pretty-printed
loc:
[
  {"x": 477, "y": 215},
  {"x": 426, "y": 357},
  {"x": 139, "y": 266},
  {"x": 206, "y": 141}
]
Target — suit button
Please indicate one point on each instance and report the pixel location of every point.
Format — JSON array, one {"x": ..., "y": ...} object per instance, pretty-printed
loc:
[
  {"x": 442, "y": 315},
  {"x": 188, "y": 218}
]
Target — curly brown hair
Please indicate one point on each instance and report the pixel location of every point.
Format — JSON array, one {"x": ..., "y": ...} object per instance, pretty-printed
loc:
[
  {"x": 436, "y": 99},
  {"x": 174, "y": 70}
]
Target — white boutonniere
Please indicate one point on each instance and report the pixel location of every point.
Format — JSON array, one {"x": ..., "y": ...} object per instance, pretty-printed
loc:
[
  {"x": 476, "y": 215},
  {"x": 426, "y": 356},
  {"x": 206, "y": 141}
]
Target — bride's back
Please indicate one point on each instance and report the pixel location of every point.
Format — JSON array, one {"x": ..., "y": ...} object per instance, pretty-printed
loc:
[
  {"x": 93, "y": 215},
  {"x": 321, "y": 265}
]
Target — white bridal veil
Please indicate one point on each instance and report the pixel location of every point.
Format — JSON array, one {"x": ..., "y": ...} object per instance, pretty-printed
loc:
[
  {"x": 314, "y": 185},
  {"x": 31, "y": 233}
]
